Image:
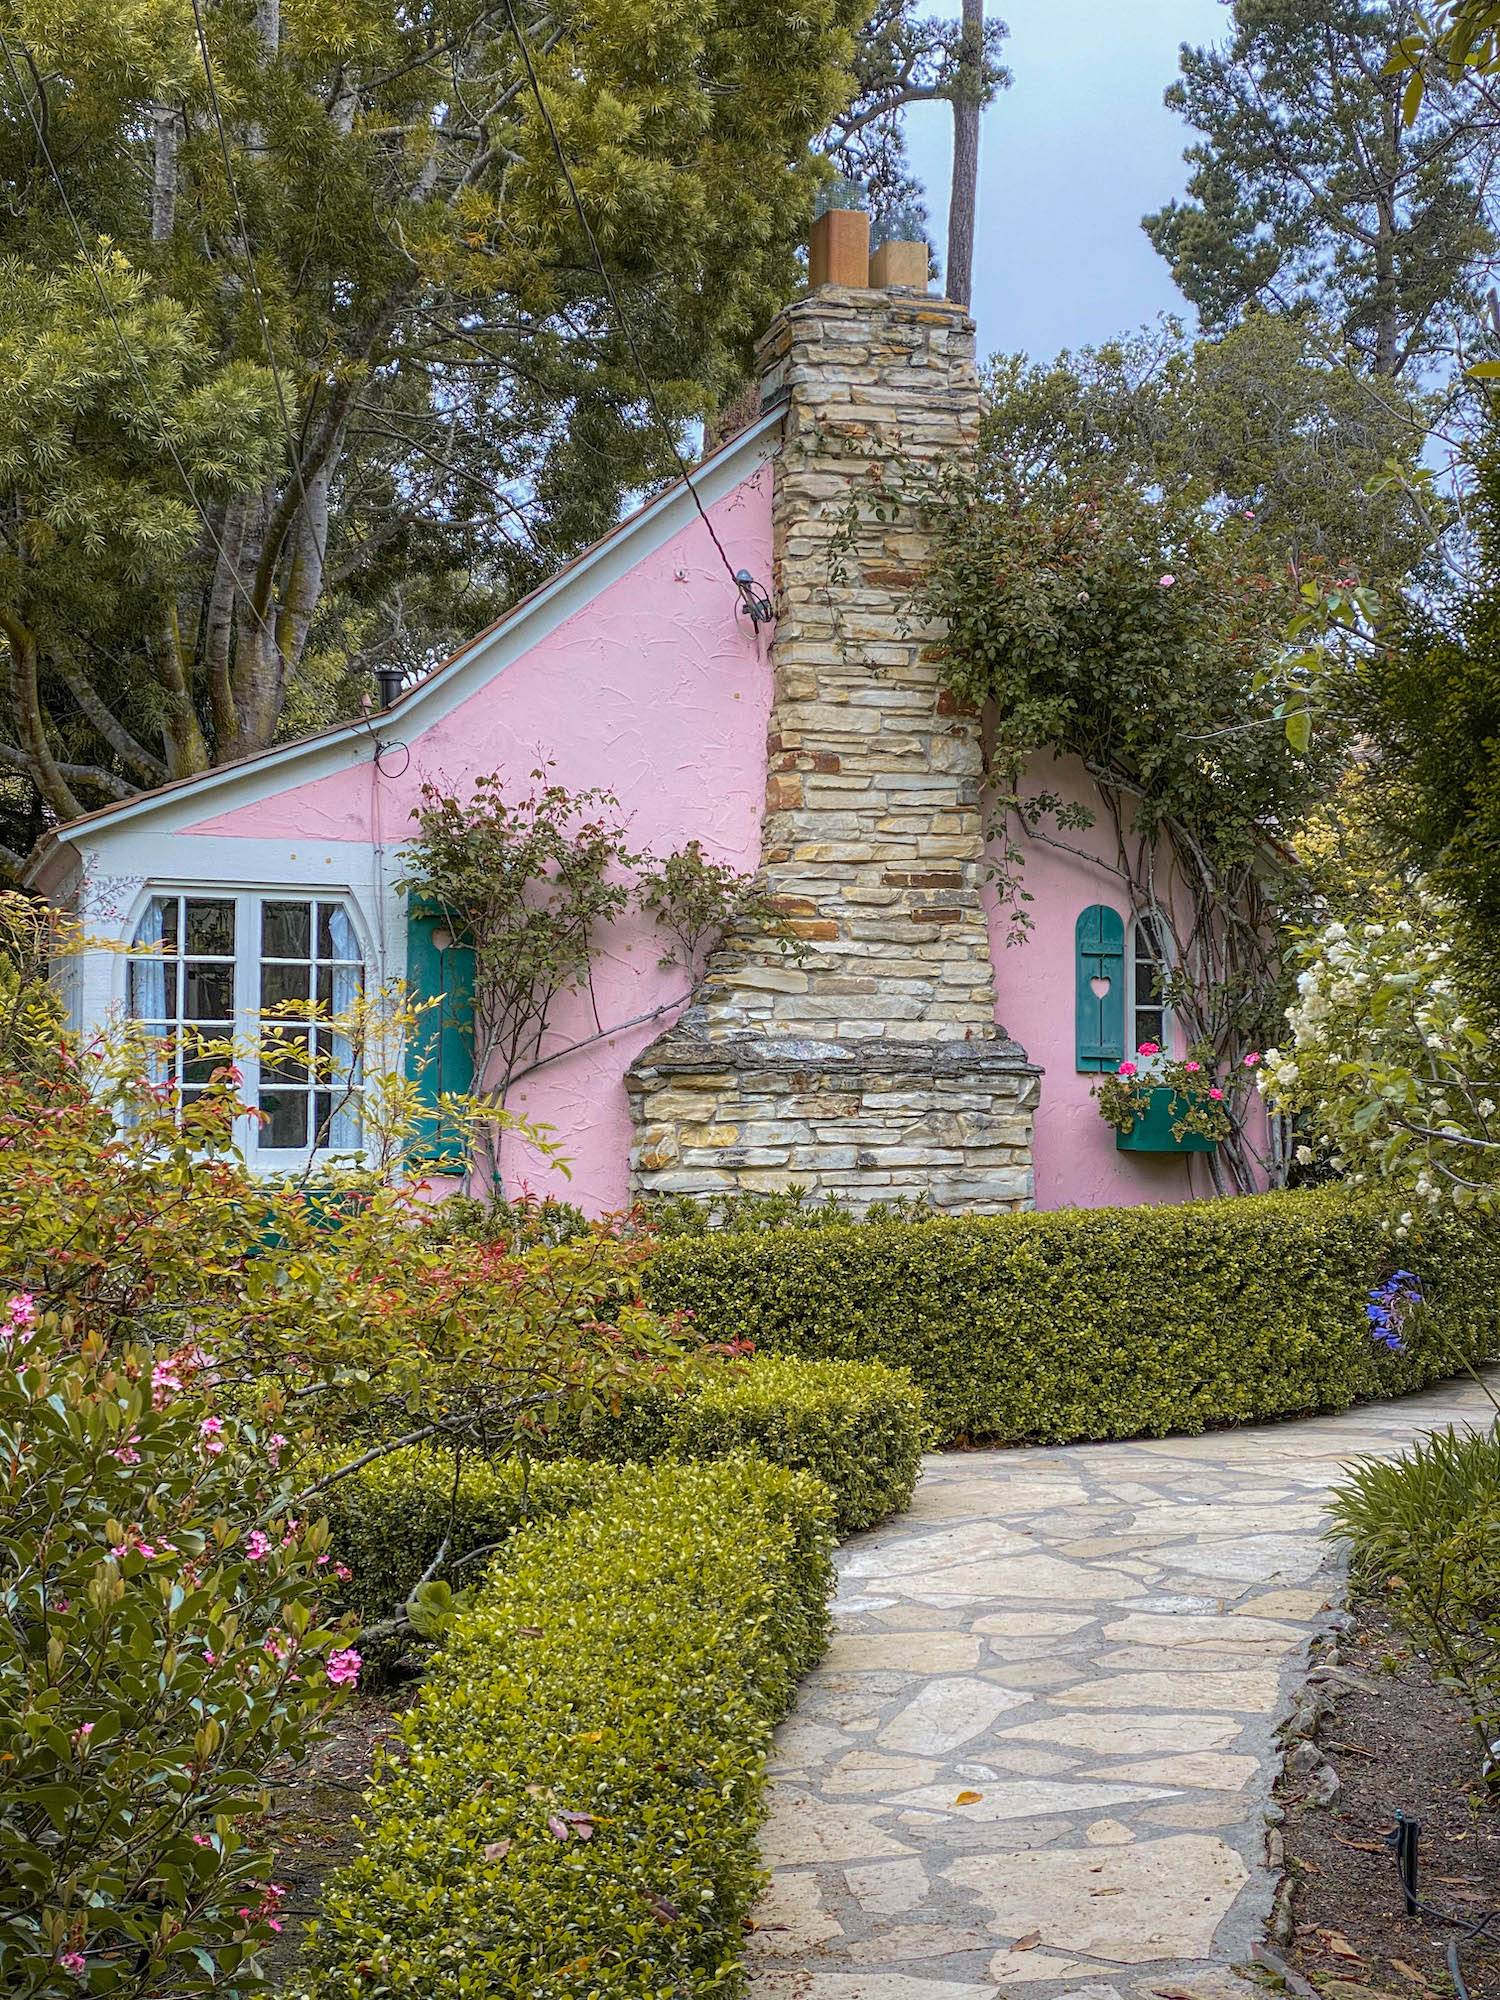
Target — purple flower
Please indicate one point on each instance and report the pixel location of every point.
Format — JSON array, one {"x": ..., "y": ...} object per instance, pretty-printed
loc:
[{"x": 1388, "y": 1306}]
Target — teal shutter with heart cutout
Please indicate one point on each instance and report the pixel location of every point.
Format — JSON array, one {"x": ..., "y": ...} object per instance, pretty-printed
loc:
[
  {"x": 1099, "y": 963},
  {"x": 440, "y": 1049}
]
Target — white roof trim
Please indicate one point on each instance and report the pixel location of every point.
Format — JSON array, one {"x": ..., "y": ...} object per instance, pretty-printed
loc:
[{"x": 450, "y": 683}]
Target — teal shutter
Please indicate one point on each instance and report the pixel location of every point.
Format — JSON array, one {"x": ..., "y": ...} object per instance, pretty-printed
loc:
[
  {"x": 440, "y": 1051},
  {"x": 1099, "y": 954}
]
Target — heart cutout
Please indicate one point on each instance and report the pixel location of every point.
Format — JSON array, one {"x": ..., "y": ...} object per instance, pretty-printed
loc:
[{"x": 1100, "y": 987}]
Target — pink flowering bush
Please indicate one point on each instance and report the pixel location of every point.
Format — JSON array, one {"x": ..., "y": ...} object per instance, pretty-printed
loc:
[
  {"x": 1201, "y": 1104},
  {"x": 164, "y": 1652}
]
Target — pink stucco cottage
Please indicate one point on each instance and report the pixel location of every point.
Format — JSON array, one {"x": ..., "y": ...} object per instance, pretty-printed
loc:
[{"x": 911, "y": 1051}]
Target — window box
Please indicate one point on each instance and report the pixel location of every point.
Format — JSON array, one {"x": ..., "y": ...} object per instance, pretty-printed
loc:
[{"x": 1153, "y": 1132}]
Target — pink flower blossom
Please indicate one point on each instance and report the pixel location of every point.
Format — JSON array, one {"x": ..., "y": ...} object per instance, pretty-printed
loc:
[
  {"x": 147, "y": 1549},
  {"x": 165, "y": 1383},
  {"x": 1166, "y": 582},
  {"x": 343, "y": 1667},
  {"x": 275, "y": 1445},
  {"x": 74, "y": 1962},
  {"x": 1192, "y": 1065},
  {"x": 1126, "y": 1069},
  {"x": 209, "y": 1431},
  {"x": 1216, "y": 1094},
  {"x": 201, "y": 1840},
  {"x": 291, "y": 1534},
  {"x": 1252, "y": 1059},
  {"x": 22, "y": 1309},
  {"x": 1249, "y": 513},
  {"x": 343, "y": 1572},
  {"x": 127, "y": 1455},
  {"x": 1149, "y": 1049},
  {"x": 258, "y": 1547},
  {"x": 210, "y": 1659}
]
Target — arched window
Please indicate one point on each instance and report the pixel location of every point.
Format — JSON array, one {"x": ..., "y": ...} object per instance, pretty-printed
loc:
[
  {"x": 1150, "y": 960},
  {"x": 269, "y": 973}
]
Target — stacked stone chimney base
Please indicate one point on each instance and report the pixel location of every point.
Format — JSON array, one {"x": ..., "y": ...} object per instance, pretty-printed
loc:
[{"x": 862, "y": 1121}]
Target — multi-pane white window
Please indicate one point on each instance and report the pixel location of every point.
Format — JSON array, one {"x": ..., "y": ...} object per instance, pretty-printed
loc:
[
  {"x": 269, "y": 973},
  {"x": 1150, "y": 1015}
]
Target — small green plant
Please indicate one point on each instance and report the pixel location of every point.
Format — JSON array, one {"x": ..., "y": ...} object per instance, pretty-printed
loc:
[{"x": 751, "y": 1213}]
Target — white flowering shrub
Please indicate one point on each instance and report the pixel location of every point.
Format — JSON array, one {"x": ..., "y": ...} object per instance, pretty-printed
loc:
[{"x": 1390, "y": 1067}]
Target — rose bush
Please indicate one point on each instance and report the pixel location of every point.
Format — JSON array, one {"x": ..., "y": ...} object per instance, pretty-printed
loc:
[{"x": 164, "y": 1646}]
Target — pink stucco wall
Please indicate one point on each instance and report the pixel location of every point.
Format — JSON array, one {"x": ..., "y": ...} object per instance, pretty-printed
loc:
[
  {"x": 654, "y": 690},
  {"x": 1077, "y": 1164}
]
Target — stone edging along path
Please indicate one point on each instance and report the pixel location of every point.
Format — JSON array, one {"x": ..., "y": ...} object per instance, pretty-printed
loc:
[{"x": 1038, "y": 1755}]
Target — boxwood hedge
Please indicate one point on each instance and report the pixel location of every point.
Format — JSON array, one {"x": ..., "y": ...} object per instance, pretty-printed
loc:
[
  {"x": 856, "y": 1424},
  {"x": 1092, "y": 1323},
  {"x": 577, "y": 1802}
]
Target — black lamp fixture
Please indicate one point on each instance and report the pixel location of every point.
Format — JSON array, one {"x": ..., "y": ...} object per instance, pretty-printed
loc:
[
  {"x": 388, "y": 680},
  {"x": 755, "y": 603}
]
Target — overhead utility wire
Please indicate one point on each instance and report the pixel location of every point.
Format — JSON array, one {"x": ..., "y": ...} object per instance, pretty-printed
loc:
[
  {"x": 125, "y": 347},
  {"x": 239, "y": 216},
  {"x": 640, "y": 366}
]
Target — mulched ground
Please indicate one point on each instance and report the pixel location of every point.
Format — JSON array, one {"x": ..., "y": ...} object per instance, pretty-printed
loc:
[
  {"x": 1407, "y": 1744},
  {"x": 311, "y": 1822}
]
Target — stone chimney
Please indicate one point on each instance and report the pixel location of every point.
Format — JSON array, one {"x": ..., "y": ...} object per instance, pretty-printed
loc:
[{"x": 874, "y": 1069}]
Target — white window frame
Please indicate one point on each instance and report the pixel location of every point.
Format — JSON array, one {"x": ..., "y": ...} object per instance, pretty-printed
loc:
[
  {"x": 1166, "y": 1035},
  {"x": 248, "y": 904}
]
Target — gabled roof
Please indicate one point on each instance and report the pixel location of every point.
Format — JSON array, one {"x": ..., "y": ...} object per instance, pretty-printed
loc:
[{"x": 452, "y": 680}]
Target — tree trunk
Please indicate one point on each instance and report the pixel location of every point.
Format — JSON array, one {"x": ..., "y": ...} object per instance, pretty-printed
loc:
[
  {"x": 965, "y": 192},
  {"x": 163, "y": 172}
]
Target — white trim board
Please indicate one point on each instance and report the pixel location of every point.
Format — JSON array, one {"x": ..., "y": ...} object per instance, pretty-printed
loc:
[{"x": 176, "y": 807}]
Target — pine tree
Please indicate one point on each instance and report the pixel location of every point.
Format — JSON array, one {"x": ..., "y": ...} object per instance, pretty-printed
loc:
[{"x": 1308, "y": 189}]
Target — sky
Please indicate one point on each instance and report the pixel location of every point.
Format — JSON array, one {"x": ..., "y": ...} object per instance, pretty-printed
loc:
[{"x": 1071, "y": 157}]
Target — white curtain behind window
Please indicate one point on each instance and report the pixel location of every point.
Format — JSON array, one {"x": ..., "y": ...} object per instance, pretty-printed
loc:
[
  {"x": 148, "y": 986},
  {"x": 344, "y": 1128}
]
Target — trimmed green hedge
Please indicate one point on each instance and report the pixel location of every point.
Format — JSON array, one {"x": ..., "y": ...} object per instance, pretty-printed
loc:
[
  {"x": 1091, "y": 1323},
  {"x": 578, "y": 1805},
  {"x": 855, "y": 1424}
]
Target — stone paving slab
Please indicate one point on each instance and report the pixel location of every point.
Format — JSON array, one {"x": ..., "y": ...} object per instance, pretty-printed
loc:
[{"x": 1038, "y": 1755}]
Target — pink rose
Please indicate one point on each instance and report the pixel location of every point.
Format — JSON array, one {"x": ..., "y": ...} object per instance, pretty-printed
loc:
[
  {"x": 1216, "y": 1094},
  {"x": 1252, "y": 1059},
  {"x": 1166, "y": 582},
  {"x": 1126, "y": 1069},
  {"x": 1192, "y": 1065}
]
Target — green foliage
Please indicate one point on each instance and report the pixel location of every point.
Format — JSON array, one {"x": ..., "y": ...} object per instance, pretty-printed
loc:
[
  {"x": 381, "y": 217},
  {"x": 1431, "y": 699},
  {"x": 1258, "y": 421},
  {"x": 579, "y": 1796},
  {"x": 1307, "y": 191},
  {"x": 163, "y": 1645},
  {"x": 1126, "y": 625},
  {"x": 1425, "y": 1529},
  {"x": 1038, "y": 1329},
  {"x": 855, "y": 1426}
]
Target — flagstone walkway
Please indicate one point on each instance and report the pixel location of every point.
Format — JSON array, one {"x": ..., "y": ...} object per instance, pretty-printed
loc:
[{"x": 1039, "y": 1752}]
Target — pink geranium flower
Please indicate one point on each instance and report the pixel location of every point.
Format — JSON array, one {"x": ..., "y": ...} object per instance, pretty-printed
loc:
[
  {"x": 1216, "y": 1094},
  {"x": 1192, "y": 1065},
  {"x": 1149, "y": 1049},
  {"x": 1126, "y": 1069}
]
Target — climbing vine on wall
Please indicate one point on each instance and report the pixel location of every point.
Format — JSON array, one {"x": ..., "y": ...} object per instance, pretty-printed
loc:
[{"x": 529, "y": 878}]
